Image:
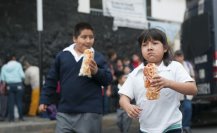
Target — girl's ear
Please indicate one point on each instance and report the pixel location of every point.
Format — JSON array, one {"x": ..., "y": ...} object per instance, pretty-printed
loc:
[{"x": 165, "y": 50}]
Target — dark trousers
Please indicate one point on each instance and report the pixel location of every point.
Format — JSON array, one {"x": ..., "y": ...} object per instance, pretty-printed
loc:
[
  {"x": 186, "y": 108},
  {"x": 123, "y": 121},
  {"x": 15, "y": 96},
  {"x": 175, "y": 131},
  {"x": 78, "y": 123},
  {"x": 3, "y": 106}
]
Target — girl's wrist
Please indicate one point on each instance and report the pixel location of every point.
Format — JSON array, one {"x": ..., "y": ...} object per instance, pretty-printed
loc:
[{"x": 168, "y": 84}]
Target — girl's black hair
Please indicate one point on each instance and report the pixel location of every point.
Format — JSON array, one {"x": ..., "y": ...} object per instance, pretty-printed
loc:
[
  {"x": 156, "y": 34},
  {"x": 81, "y": 26}
]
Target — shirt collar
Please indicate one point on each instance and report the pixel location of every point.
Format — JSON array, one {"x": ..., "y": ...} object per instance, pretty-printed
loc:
[
  {"x": 160, "y": 68},
  {"x": 73, "y": 52}
]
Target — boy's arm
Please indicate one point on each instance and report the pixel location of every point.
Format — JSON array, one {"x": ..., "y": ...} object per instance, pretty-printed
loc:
[{"x": 48, "y": 90}]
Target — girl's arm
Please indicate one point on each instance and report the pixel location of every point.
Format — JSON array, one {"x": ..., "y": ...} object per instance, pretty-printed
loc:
[
  {"x": 187, "y": 88},
  {"x": 133, "y": 111}
]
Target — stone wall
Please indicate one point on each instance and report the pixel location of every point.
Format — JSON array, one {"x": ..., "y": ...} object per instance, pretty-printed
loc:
[{"x": 18, "y": 30}]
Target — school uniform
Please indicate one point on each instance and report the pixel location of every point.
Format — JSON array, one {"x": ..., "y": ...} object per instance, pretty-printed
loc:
[
  {"x": 80, "y": 106},
  {"x": 163, "y": 114}
]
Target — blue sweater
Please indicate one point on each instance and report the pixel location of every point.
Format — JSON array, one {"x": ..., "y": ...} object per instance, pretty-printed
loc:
[{"x": 79, "y": 94}]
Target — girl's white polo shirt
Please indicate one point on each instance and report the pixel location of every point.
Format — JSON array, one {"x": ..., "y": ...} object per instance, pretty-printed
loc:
[{"x": 163, "y": 113}]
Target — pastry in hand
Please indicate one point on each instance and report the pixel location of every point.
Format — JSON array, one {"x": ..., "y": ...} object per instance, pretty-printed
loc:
[
  {"x": 149, "y": 71},
  {"x": 85, "y": 68}
]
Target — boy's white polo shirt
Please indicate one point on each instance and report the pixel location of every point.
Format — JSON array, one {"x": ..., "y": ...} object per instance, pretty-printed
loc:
[{"x": 157, "y": 115}]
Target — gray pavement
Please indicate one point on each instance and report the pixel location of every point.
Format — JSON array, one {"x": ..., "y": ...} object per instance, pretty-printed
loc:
[
  {"x": 42, "y": 125},
  {"x": 110, "y": 126},
  {"x": 30, "y": 125}
]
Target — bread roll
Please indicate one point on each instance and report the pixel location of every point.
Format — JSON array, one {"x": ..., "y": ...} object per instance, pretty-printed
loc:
[
  {"x": 149, "y": 71},
  {"x": 85, "y": 68}
]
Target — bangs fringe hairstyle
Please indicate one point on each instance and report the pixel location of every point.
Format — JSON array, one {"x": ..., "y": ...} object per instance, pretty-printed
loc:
[{"x": 156, "y": 34}]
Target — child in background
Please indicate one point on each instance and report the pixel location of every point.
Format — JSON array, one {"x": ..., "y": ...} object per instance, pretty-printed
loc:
[
  {"x": 123, "y": 120},
  {"x": 161, "y": 115},
  {"x": 186, "y": 100}
]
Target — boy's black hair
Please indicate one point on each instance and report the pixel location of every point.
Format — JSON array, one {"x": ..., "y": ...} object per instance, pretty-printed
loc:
[
  {"x": 159, "y": 35},
  {"x": 81, "y": 26}
]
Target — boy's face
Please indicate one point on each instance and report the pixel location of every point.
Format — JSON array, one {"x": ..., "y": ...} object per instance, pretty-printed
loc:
[{"x": 84, "y": 41}]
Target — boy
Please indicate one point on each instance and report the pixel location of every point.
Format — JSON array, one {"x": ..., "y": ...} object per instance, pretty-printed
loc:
[{"x": 80, "y": 105}]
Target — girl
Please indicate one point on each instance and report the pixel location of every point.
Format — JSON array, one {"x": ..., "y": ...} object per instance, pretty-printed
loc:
[{"x": 161, "y": 115}]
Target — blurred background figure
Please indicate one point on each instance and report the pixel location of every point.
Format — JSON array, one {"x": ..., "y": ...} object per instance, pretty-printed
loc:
[
  {"x": 136, "y": 61},
  {"x": 12, "y": 74},
  {"x": 123, "y": 120},
  {"x": 32, "y": 79},
  {"x": 186, "y": 100},
  {"x": 127, "y": 63},
  {"x": 3, "y": 96},
  {"x": 107, "y": 91}
]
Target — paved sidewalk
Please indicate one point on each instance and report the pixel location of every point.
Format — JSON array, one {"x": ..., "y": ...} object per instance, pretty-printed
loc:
[
  {"x": 30, "y": 125},
  {"x": 42, "y": 125},
  {"x": 110, "y": 126}
]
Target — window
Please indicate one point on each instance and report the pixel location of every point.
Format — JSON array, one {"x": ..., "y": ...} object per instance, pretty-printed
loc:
[
  {"x": 96, "y": 4},
  {"x": 96, "y": 7},
  {"x": 148, "y": 5}
]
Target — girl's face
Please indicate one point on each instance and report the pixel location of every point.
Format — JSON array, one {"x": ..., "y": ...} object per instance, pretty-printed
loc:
[
  {"x": 153, "y": 51},
  {"x": 84, "y": 41}
]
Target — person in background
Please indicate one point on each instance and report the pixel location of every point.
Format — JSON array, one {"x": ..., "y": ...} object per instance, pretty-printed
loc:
[
  {"x": 32, "y": 79},
  {"x": 112, "y": 57},
  {"x": 80, "y": 106},
  {"x": 127, "y": 70},
  {"x": 136, "y": 61},
  {"x": 119, "y": 67},
  {"x": 127, "y": 63},
  {"x": 107, "y": 91},
  {"x": 3, "y": 96},
  {"x": 161, "y": 115},
  {"x": 12, "y": 74},
  {"x": 123, "y": 120},
  {"x": 186, "y": 100}
]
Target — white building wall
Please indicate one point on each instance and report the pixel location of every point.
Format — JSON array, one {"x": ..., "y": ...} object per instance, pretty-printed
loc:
[{"x": 172, "y": 10}]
